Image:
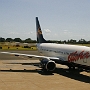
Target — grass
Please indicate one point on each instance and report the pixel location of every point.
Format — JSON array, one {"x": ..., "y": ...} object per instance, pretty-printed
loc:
[
  {"x": 88, "y": 45},
  {"x": 32, "y": 47},
  {"x": 17, "y": 46},
  {"x": 4, "y": 47}
]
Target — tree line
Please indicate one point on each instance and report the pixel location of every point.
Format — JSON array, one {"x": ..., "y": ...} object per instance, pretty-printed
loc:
[
  {"x": 72, "y": 41},
  {"x": 29, "y": 40}
]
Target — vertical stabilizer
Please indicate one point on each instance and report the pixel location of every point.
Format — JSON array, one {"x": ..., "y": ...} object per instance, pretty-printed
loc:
[{"x": 40, "y": 38}]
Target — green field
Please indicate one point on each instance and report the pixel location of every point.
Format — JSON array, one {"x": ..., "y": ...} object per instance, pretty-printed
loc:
[
  {"x": 17, "y": 48},
  {"x": 9, "y": 46},
  {"x": 88, "y": 45}
]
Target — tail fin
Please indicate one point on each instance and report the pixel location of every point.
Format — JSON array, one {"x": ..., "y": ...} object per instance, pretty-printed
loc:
[{"x": 40, "y": 38}]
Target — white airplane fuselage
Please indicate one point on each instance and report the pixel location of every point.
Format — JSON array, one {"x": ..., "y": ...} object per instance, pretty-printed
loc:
[{"x": 71, "y": 53}]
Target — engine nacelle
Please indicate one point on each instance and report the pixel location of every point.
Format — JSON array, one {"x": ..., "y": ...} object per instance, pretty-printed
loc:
[{"x": 48, "y": 65}]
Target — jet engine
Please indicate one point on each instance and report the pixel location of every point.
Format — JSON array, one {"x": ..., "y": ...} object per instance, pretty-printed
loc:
[{"x": 48, "y": 65}]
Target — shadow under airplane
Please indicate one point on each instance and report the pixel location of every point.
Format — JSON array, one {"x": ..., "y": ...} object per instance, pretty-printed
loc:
[{"x": 73, "y": 74}]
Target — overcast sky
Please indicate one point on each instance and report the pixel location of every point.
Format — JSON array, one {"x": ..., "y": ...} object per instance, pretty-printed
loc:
[{"x": 59, "y": 19}]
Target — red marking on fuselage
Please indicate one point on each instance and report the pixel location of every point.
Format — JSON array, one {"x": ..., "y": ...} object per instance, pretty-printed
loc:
[{"x": 75, "y": 56}]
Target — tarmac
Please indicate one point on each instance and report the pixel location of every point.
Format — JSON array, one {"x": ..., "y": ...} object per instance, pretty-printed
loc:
[{"x": 23, "y": 73}]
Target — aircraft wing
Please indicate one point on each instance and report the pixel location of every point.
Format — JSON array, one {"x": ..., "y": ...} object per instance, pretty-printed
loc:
[{"x": 29, "y": 55}]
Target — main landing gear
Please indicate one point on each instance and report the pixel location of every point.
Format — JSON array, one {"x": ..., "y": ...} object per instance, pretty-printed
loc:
[{"x": 71, "y": 67}]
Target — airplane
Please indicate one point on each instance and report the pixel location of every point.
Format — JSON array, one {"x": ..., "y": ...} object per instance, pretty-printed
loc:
[{"x": 74, "y": 56}]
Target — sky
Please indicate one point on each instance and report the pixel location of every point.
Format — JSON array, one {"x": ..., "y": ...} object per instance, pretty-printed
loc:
[{"x": 59, "y": 19}]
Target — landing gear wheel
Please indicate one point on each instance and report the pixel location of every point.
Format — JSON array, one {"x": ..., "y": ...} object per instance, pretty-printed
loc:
[
  {"x": 71, "y": 68},
  {"x": 80, "y": 69}
]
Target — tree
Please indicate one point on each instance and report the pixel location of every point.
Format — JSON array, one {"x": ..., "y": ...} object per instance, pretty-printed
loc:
[
  {"x": 17, "y": 40},
  {"x": 59, "y": 42},
  {"x": 82, "y": 41},
  {"x": 28, "y": 40},
  {"x": 2, "y": 39},
  {"x": 72, "y": 41},
  {"x": 9, "y": 39}
]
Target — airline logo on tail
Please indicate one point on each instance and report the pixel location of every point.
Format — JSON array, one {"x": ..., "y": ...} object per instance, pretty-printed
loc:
[{"x": 39, "y": 31}]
